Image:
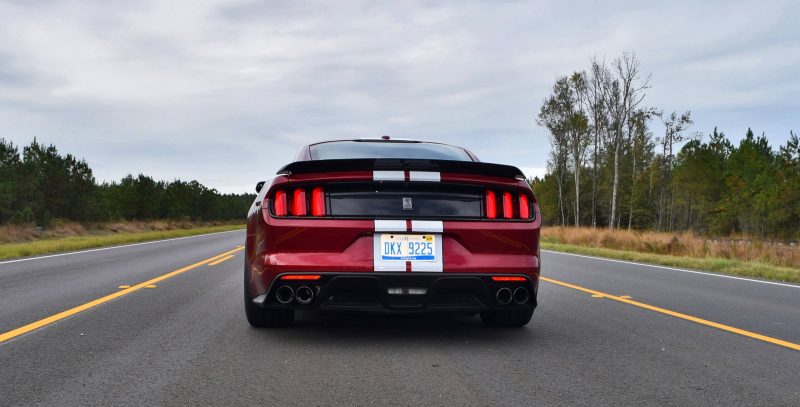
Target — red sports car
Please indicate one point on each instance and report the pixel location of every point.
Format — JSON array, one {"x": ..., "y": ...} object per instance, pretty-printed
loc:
[{"x": 392, "y": 224}]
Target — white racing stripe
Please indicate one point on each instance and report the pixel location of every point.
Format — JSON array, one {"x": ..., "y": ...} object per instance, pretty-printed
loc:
[
  {"x": 399, "y": 226},
  {"x": 388, "y": 175},
  {"x": 425, "y": 176},
  {"x": 427, "y": 226},
  {"x": 390, "y": 226}
]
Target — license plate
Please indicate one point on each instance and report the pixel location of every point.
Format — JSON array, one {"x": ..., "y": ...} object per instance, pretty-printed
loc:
[{"x": 408, "y": 247}]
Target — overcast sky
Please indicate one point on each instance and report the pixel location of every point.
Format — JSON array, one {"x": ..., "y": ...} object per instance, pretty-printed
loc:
[{"x": 226, "y": 92}]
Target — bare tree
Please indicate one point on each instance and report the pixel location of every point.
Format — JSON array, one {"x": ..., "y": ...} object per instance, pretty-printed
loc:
[
  {"x": 564, "y": 116},
  {"x": 597, "y": 112},
  {"x": 552, "y": 117},
  {"x": 579, "y": 138},
  {"x": 623, "y": 95}
]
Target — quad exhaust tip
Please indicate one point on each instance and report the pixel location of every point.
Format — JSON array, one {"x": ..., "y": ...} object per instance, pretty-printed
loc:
[
  {"x": 521, "y": 295},
  {"x": 284, "y": 294},
  {"x": 504, "y": 296},
  {"x": 305, "y": 295}
]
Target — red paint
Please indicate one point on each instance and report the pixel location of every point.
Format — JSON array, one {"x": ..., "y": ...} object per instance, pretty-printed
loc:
[{"x": 314, "y": 244}]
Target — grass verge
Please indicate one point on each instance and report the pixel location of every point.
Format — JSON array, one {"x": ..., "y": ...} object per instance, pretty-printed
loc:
[
  {"x": 65, "y": 244},
  {"x": 724, "y": 266}
]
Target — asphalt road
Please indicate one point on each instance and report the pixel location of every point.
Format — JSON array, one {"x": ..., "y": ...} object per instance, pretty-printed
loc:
[{"x": 186, "y": 342}]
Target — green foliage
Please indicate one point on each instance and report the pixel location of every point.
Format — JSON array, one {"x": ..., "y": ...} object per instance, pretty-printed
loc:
[
  {"x": 714, "y": 188},
  {"x": 42, "y": 185}
]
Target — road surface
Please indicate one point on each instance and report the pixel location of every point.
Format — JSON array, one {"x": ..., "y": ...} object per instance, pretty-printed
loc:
[{"x": 85, "y": 329}]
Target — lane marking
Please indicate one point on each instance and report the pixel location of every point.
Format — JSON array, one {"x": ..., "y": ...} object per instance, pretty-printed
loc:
[
  {"x": 697, "y": 320},
  {"x": 228, "y": 257},
  {"x": 151, "y": 286},
  {"x": 678, "y": 269},
  {"x": 114, "y": 247},
  {"x": 72, "y": 311},
  {"x": 124, "y": 286}
]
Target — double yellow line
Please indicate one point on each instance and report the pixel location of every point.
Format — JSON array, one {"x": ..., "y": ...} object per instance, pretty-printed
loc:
[
  {"x": 72, "y": 311},
  {"x": 700, "y": 321}
]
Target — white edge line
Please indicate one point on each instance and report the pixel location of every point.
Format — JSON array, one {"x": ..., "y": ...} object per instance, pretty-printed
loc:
[
  {"x": 113, "y": 247},
  {"x": 677, "y": 269}
]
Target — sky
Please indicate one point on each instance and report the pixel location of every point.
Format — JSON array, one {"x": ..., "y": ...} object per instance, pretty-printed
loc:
[{"x": 227, "y": 92}]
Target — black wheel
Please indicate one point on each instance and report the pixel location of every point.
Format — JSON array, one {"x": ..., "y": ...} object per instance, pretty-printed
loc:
[
  {"x": 261, "y": 317},
  {"x": 515, "y": 318}
]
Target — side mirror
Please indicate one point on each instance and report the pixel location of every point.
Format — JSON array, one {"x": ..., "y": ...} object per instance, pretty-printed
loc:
[{"x": 259, "y": 186}]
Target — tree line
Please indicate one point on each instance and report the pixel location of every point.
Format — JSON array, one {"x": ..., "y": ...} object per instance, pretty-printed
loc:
[
  {"x": 606, "y": 168},
  {"x": 38, "y": 185}
]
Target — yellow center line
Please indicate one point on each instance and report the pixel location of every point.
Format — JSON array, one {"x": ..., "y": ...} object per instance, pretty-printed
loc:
[
  {"x": 72, "y": 311},
  {"x": 228, "y": 257},
  {"x": 700, "y": 321}
]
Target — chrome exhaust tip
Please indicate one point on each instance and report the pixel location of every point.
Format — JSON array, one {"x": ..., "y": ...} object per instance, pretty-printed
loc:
[
  {"x": 521, "y": 295},
  {"x": 284, "y": 294},
  {"x": 504, "y": 296},
  {"x": 305, "y": 295}
]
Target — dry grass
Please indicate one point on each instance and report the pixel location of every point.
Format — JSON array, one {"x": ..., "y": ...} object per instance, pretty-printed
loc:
[
  {"x": 62, "y": 229},
  {"x": 19, "y": 241},
  {"x": 684, "y": 244}
]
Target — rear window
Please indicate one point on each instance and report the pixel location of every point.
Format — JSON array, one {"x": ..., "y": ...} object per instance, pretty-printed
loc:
[{"x": 386, "y": 149}]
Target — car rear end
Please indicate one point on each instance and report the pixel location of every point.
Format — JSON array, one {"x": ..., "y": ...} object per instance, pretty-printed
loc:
[{"x": 398, "y": 234}]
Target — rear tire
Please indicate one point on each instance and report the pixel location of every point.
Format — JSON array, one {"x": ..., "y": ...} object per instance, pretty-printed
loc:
[
  {"x": 515, "y": 318},
  {"x": 261, "y": 317}
]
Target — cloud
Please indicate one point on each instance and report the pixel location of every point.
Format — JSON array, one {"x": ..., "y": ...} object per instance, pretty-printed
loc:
[{"x": 226, "y": 92}]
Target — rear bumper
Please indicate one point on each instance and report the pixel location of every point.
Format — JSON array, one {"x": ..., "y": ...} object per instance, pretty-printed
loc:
[{"x": 455, "y": 292}]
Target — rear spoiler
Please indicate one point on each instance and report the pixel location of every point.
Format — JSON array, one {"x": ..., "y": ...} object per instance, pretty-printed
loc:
[{"x": 404, "y": 164}]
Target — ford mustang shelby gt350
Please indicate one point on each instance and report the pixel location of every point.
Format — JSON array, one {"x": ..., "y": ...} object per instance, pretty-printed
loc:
[{"x": 392, "y": 225}]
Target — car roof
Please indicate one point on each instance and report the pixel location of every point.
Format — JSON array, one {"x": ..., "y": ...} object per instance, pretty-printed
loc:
[{"x": 305, "y": 152}]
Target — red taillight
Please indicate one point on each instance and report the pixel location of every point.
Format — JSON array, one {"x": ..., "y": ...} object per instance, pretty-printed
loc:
[
  {"x": 508, "y": 206},
  {"x": 299, "y": 202},
  {"x": 295, "y": 202},
  {"x": 281, "y": 206},
  {"x": 318, "y": 202},
  {"x": 301, "y": 277},
  {"x": 524, "y": 207},
  {"x": 509, "y": 279},
  {"x": 491, "y": 205}
]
